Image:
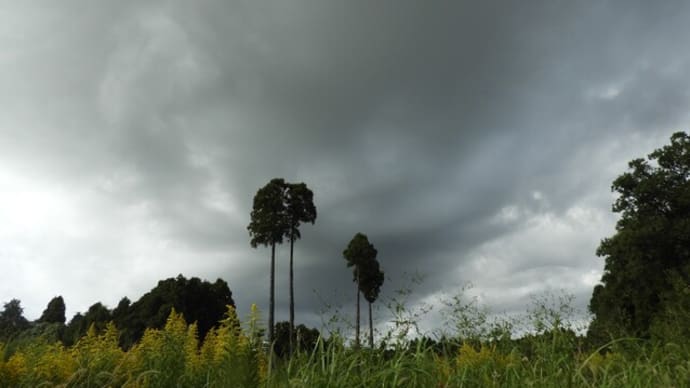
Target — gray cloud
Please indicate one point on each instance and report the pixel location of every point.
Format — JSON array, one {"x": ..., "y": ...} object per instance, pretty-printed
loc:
[{"x": 472, "y": 142}]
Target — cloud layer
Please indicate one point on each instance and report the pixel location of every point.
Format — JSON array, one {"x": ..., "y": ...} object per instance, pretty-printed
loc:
[{"x": 472, "y": 143}]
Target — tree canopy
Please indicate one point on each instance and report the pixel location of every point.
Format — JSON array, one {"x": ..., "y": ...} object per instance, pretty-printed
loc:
[
  {"x": 371, "y": 280},
  {"x": 359, "y": 252},
  {"x": 54, "y": 312},
  {"x": 299, "y": 207},
  {"x": 651, "y": 243},
  {"x": 269, "y": 223},
  {"x": 198, "y": 301},
  {"x": 12, "y": 320}
]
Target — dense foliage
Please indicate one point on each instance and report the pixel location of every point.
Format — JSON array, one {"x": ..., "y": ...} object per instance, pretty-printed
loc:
[
  {"x": 199, "y": 301},
  {"x": 650, "y": 251},
  {"x": 54, "y": 312},
  {"x": 167, "y": 357},
  {"x": 12, "y": 321}
]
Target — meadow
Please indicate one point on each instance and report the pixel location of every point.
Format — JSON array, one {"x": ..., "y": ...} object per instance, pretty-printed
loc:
[{"x": 234, "y": 355}]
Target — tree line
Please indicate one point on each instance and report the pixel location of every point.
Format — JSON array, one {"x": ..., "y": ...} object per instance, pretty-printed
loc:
[{"x": 199, "y": 301}]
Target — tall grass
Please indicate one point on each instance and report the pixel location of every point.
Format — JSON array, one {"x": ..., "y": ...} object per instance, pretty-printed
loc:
[
  {"x": 481, "y": 366},
  {"x": 550, "y": 355}
]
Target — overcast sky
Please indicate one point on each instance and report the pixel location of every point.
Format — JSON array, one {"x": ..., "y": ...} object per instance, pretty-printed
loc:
[{"x": 471, "y": 141}]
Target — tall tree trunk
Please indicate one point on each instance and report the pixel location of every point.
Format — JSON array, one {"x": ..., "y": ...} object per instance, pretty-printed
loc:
[
  {"x": 272, "y": 301},
  {"x": 357, "y": 319},
  {"x": 371, "y": 328},
  {"x": 292, "y": 294}
]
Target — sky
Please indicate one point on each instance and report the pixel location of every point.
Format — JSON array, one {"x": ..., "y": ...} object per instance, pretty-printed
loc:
[{"x": 473, "y": 142}]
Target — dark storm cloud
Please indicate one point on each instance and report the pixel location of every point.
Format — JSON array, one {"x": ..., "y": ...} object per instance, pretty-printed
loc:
[{"x": 470, "y": 141}]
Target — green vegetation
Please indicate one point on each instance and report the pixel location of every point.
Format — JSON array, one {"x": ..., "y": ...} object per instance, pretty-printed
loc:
[
  {"x": 12, "y": 321},
  {"x": 649, "y": 255},
  {"x": 167, "y": 357},
  {"x": 199, "y": 301},
  {"x": 54, "y": 312},
  {"x": 232, "y": 355}
]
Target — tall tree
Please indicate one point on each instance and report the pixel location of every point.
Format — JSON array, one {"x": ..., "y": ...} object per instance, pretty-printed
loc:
[
  {"x": 371, "y": 280},
  {"x": 299, "y": 203},
  {"x": 358, "y": 253},
  {"x": 12, "y": 320},
  {"x": 268, "y": 226},
  {"x": 652, "y": 241},
  {"x": 54, "y": 312}
]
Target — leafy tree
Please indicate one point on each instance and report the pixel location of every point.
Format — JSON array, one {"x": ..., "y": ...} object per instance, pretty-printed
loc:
[
  {"x": 123, "y": 307},
  {"x": 12, "y": 320},
  {"x": 54, "y": 312},
  {"x": 267, "y": 227},
  {"x": 97, "y": 315},
  {"x": 358, "y": 254},
  {"x": 299, "y": 203},
  {"x": 652, "y": 241},
  {"x": 72, "y": 333},
  {"x": 671, "y": 325},
  {"x": 371, "y": 280}
]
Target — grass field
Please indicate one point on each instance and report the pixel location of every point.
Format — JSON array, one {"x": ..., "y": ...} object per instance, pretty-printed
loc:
[{"x": 232, "y": 356}]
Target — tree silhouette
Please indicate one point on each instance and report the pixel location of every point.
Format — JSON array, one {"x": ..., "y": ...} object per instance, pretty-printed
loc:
[
  {"x": 197, "y": 300},
  {"x": 358, "y": 253},
  {"x": 371, "y": 280},
  {"x": 54, "y": 312},
  {"x": 267, "y": 227},
  {"x": 299, "y": 203},
  {"x": 12, "y": 320},
  {"x": 650, "y": 245},
  {"x": 97, "y": 315}
]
